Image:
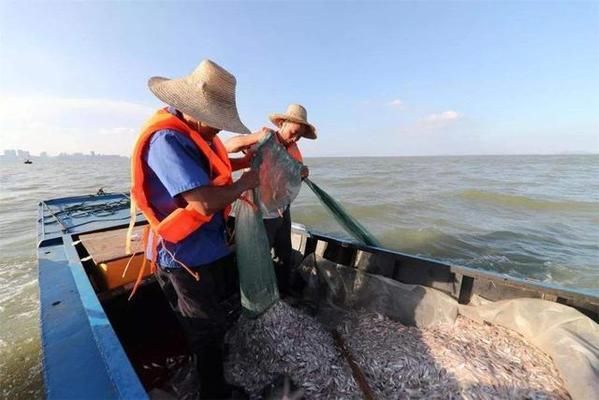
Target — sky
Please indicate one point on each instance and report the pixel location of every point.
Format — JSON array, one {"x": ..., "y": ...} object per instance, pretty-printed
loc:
[{"x": 378, "y": 78}]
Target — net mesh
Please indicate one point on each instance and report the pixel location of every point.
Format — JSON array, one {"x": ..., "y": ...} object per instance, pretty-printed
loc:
[
  {"x": 350, "y": 224},
  {"x": 280, "y": 176},
  {"x": 257, "y": 278},
  {"x": 280, "y": 183}
]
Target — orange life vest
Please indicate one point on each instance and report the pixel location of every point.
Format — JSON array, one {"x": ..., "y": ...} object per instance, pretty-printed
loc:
[
  {"x": 182, "y": 221},
  {"x": 295, "y": 153}
]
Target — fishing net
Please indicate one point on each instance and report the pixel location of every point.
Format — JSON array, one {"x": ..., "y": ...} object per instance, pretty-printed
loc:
[
  {"x": 280, "y": 182},
  {"x": 350, "y": 224},
  {"x": 280, "y": 176},
  {"x": 257, "y": 278}
]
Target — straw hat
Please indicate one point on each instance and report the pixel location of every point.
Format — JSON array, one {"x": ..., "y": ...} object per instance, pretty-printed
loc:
[
  {"x": 295, "y": 113},
  {"x": 208, "y": 95}
]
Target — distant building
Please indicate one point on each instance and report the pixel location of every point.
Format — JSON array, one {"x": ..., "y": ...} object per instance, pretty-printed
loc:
[
  {"x": 10, "y": 153},
  {"x": 23, "y": 154}
]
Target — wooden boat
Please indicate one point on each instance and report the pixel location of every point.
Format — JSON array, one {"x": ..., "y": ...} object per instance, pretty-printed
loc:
[{"x": 96, "y": 343}]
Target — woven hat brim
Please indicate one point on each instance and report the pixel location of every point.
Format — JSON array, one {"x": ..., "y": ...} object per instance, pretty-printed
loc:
[
  {"x": 278, "y": 119},
  {"x": 191, "y": 100}
]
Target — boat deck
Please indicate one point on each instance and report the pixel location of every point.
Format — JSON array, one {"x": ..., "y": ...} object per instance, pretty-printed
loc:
[{"x": 98, "y": 342}]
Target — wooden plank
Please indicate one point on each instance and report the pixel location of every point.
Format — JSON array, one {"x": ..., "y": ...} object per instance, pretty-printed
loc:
[
  {"x": 466, "y": 290},
  {"x": 120, "y": 272},
  {"x": 357, "y": 372},
  {"x": 110, "y": 245}
]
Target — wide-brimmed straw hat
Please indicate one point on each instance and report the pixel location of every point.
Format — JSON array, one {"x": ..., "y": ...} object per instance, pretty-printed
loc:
[
  {"x": 295, "y": 113},
  {"x": 208, "y": 95}
]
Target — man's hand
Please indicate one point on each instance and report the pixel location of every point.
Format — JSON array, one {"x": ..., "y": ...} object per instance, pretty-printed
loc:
[
  {"x": 210, "y": 199},
  {"x": 262, "y": 133},
  {"x": 305, "y": 172},
  {"x": 249, "y": 180},
  {"x": 244, "y": 142}
]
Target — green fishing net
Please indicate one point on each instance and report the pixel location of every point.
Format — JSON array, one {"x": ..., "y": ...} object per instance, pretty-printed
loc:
[
  {"x": 348, "y": 223},
  {"x": 257, "y": 279},
  {"x": 280, "y": 176},
  {"x": 280, "y": 183}
]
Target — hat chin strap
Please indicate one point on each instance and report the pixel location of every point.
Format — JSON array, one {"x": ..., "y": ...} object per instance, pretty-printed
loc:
[{"x": 193, "y": 124}]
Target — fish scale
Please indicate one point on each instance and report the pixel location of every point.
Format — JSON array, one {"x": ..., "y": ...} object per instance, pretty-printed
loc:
[
  {"x": 462, "y": 360},
  {"x": 450, "y": 361},
  {"x": 285, "y": 340}
]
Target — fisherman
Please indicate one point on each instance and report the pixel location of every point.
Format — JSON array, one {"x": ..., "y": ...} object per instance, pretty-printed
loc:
[
  {"x": 182, "y": 183},
  {"x": 293, "y": 125}
]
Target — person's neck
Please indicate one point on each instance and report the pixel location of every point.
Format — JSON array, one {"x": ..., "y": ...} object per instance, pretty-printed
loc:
[
  {"x": 280, "y": 139},
  {"x": 209, "y": 137},
  {"x": 191, "y": 123},
  {"x": 282, "y": 142}
]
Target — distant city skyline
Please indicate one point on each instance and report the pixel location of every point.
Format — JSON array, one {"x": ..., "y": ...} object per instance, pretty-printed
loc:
[
  {"x": 12, "y": 154},
  {"x": 378, "y": 78},
  {"x": 24, "y": 154}
]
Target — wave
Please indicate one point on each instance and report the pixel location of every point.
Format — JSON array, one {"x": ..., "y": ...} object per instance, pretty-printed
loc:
[
  {"x": 524, "y": 202},
  {"x": 428, "y": 242}
]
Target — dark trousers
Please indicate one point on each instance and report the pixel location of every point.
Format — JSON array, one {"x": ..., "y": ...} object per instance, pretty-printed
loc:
[
  {"x": 278, "y": 231},
  {"x": 205, "y": 308}
]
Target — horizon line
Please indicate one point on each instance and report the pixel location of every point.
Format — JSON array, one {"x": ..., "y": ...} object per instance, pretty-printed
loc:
[{"x": 336, "y": 156}]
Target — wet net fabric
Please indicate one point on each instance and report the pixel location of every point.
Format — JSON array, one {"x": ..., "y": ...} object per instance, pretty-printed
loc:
[
  {"x": 280, "y": 183},
  {"x": 257, "y": 280},
  {"x": 280, "y": 176},
  {"x": 350, "y": 224}
]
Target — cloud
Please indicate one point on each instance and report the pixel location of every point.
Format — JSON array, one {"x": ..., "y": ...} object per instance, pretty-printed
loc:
[
  {"x": 444, "y": 116},
  {"x": 121, "y": 130},
  {"x": 397, "y": 103},
  {"x": 439, "y": 120},
  {"x": 57, "y": 124}
]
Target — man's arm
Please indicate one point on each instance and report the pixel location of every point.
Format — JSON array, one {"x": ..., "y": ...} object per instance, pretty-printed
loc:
[
  {"x": 210, "y": 199},
  {"x": 244, "y": 142},
  {"x": 240, "y": 163}
]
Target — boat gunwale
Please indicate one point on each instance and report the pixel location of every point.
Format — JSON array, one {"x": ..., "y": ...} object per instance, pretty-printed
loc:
[
  {"x": 504, "y": 279},
  {"x": 561, "y": 293},
  {"x": 102, "y": 355},
  {"x": 118, "y": 367}
]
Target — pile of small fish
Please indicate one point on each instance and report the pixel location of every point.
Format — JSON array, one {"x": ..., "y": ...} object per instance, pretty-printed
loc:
[
  {"x": 462, "y": 360},
  {"x": 174, "y": 378},
  {"x": 286, "y": 341}
]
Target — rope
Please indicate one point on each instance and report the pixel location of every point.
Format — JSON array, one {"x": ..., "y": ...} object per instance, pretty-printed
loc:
[
  {"x": 357, "y": 372},
  {"x": 97, "y": 210},
  {"x": 350, "y": 224}
]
